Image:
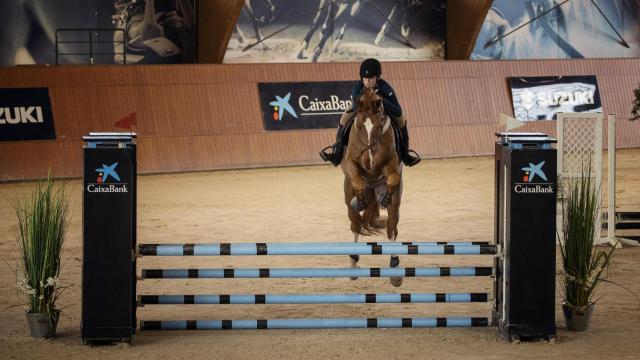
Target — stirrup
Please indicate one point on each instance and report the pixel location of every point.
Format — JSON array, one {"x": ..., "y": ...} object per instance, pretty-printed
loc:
[
  {"x": 325, "y": 155},
  {"x": 331, "y": 157},
  {"x": 411, "y": 160}
]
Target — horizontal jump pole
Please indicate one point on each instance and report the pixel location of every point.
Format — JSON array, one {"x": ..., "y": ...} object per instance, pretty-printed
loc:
[
  {"x": 223, "y": 249},
  {"x": 390, "y": 298},
  {"x": 253, "y": 273},
  {"x": 335, "y": 323}
]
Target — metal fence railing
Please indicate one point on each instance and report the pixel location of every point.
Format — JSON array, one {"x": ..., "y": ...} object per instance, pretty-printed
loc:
[{"x": 92, "y": 46}]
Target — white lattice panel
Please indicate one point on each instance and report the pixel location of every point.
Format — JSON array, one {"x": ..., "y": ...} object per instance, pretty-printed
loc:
[{"x": 579, "y": 142}]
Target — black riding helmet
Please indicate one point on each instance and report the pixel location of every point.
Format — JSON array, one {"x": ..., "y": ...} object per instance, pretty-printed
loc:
[{"x": 370, "y": 68}]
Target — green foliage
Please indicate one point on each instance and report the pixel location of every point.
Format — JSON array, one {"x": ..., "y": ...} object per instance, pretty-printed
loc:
[
  {"x": 43, "y": 220},
  {"x": 584, "y": 266},
  {"x": 635, "y": 111}
]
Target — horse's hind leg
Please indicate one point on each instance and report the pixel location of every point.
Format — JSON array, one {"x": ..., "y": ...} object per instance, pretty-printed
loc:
[{"x": 393, "y": 212}]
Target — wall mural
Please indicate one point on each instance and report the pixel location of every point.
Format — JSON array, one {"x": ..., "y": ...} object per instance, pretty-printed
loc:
[
  {"x": 338, "y": 30},
  {"x": 161, "y": 31},
  {"x": 560, "y": 29}
]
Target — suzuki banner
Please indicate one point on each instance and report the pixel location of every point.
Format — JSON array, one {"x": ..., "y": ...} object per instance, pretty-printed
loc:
[
  {"x": 308, "y": 105},
  {"x": 542, "y": 98},
  {"x": 25, "y": 114}
]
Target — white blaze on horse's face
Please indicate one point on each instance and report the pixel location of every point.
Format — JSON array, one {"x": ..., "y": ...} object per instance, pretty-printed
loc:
[{"x": 368, "y": 125}]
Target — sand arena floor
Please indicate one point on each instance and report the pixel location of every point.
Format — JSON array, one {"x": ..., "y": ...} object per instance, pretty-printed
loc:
[{"x": 443, "y": 200}]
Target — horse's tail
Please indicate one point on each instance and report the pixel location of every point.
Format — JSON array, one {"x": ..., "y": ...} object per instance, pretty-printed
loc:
[{"x": 372, "y": 223}]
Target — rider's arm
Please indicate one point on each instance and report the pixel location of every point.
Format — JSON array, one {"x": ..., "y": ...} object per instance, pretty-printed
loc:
[
  {"x": 389, "y": 99},
  {"x": 355, "y": 95}
]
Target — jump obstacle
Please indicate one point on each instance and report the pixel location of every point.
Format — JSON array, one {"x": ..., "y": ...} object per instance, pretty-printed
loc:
[
  {"x": 261, "y": 249},
  {"x": 523, "y": 251}
]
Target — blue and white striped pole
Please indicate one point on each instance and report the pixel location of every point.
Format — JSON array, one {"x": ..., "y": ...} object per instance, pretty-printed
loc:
[
  {"x": 340, "y": 323},
  {"x": 226, "y": 249},
  {"x": 253, "y": 273},
  {"x": 389, "y": 298}
]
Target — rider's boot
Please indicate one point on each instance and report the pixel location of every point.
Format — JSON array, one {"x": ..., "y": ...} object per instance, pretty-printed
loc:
[
  {"x": 335, "y": 157},
  {"x": 405, "y": 153}
]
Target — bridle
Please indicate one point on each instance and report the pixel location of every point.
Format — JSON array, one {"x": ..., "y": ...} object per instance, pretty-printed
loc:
[{"x": 375, "y": 143}]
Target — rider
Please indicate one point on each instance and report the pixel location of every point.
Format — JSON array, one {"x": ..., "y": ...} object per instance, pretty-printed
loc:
[{"x": 370, "y": 71}]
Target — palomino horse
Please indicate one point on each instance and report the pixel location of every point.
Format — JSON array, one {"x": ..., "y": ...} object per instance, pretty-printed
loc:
[{"x": 372, "y": 174}]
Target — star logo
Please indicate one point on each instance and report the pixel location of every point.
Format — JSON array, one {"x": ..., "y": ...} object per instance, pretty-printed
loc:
[
  {"x": 280, "y": 105},
  {"x": 105, "y": 171},
  {"x": 532, "y": 170}
]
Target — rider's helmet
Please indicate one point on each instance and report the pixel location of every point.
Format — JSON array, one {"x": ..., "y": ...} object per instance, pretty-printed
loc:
[{"x": 370, "y": 68}]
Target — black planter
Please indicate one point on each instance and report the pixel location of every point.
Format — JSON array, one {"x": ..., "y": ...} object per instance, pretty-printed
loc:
[{"x": 577, "y": 317}]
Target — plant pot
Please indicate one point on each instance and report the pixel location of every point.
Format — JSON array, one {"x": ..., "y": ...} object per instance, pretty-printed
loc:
[
  {"x": 40, "y": 326},
  {"x": 577, "y": 318}
]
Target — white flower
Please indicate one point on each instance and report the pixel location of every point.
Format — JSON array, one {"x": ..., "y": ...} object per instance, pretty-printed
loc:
[
  {"x": 23, "y": 285},
  {"x": 41, "y": 297},
  {"x": 51, "y": 282}
]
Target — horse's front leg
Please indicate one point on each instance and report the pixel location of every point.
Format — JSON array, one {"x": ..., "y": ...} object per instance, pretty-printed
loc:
[
  {"x": 390, "y": 171},
  {"x": 359, "y": 201}
]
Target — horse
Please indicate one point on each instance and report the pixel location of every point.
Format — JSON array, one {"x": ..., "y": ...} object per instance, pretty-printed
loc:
[{"x": 372, "y": 174}]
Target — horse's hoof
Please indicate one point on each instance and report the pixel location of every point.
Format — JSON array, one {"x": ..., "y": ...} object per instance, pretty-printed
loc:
[
  {"x": 358, "y": 205},
  {"x": 384, "y": 199},
  {"x": 354, "y": 264},
  {"x": 394, "y": 262},
  {"x": 396, "y": 281}
]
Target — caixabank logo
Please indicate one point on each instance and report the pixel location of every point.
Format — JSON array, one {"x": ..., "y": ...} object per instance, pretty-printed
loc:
[
  {"x": 280, "y": 105},
  {"x": 107, "y": 181},
  {"x": 534, "y": 180}
]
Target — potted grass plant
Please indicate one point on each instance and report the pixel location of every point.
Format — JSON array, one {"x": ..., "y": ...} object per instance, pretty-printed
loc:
[
  {"x": 635, "y": 110},
  {"x": 43, "y": 220},
  {"x": 585, "y": 266}
]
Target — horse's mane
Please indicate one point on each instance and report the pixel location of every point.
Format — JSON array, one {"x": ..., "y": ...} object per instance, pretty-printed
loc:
[{"x": 369, "y": 100}]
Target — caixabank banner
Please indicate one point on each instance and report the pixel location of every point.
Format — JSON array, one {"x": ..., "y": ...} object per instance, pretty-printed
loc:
[
  {"x": 308, "y": 105},
  {"x": 25, "y": 114}
]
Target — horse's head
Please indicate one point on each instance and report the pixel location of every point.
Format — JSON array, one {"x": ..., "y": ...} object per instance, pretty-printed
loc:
[{"x": 369, "y": 127}]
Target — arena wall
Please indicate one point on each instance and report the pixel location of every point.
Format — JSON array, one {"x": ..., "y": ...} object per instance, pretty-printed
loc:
[{"x": 205, "y": 117}]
